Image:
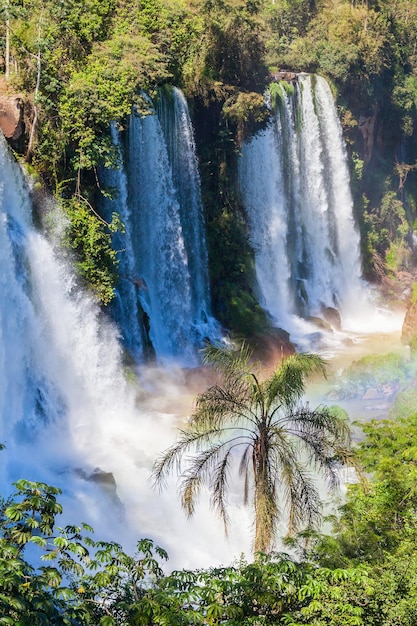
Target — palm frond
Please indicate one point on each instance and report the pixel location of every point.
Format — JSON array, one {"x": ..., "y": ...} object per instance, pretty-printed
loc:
[
  {"x": 218, "y": 405},
  {"x": 209, "y": 467},
  {"x": 299, "y": 494},
  {"x": 198, "y": 473},
  {"x": 189, "y": 492},
  {"x": 286, "y": 385},
  {"x": 173, "y": 457},
  {"x": 321, "y": 419},
  {"x": 246, "y": 486},
  {"x": 244, "y": 469},
  {"x": 219, "y": 488},
  {"x": 320, "y": 433},
  {"x": 235, "y": 366},
  {"x": 244, "y": 461},
  {"x": 320, "y": 455},
  {"x": 228, "y": 361},
  {"x": 306, "y": 508},
  {"x": 295, "y": 486}
]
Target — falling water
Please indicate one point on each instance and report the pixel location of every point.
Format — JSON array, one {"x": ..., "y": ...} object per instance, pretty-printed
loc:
[
  {"x": 166, "y": 258},
  {"x": 178, "y": 132},
  {"x": 126, "y": 305},
  {"x": 68, "y": 415},
  {"x": 294, "y": 182}
]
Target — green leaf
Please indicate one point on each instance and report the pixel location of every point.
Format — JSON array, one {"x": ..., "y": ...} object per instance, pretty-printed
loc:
[
  {"x": 61, "y": 542},
  {"x": 107, "y": 620},
  {"x": 14, "y": 512},
  {"x": 215, "y": 612},
  {"x": 40, "y": 541}
]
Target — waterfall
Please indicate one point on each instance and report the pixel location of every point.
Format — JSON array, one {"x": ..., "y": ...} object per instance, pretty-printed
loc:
[
  {"x": 126, "y": 307},
  {"x": 178, "y": 132},
  {"x": 294, "y": 182},
  {"x": 69, "y": 416},
  {"x": 160, "y": 203}
]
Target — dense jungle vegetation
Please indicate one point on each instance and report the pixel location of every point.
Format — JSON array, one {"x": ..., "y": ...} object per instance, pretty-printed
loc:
[
  {"x": 363, "y": 575},
  {"x": 81, "y": 65}
]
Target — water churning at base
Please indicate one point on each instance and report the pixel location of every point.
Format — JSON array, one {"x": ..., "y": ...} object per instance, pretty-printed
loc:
[{"x": 69, "y": 416}]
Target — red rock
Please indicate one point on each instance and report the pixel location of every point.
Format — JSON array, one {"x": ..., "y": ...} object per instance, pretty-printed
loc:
[{"x": 11, "y": 117}]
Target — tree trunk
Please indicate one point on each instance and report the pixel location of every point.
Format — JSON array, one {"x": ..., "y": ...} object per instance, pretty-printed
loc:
[
  {"x": 264, "y": 501},
  {"x": 7, "y": 51},
  {"x": 35, "y": 97}
]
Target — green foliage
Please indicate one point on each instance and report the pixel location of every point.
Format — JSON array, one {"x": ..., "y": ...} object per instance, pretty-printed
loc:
[
  {"x": 243, "y": 313},
  {"x": 380, "y": 368},
  {"x": 378, "y": 522},
  {"x": 397, "y": 257},
  {"x": 406, "y": 401},
  {"x": 285, "y": 21},
  {"x": 386, "y": 230},
  {"x": 404, "y": 96},
  {"x": 76, "y": 580},
  {"x": 105, "y": 91},
  {"x": 89, "y": 237},
  {"x": 393, "y": 216},
  {"x": 363, "y": 576},
  {"x": 276, "y": 93},
  {"x": 29, "y": 595},
  {"x": 246, "y": 110},
  {"x": 230, "y": 51},
  {"x": 377, "y": 525},
  {"x": 273, "y": 590},
  {"x": 349, "y": 43}
]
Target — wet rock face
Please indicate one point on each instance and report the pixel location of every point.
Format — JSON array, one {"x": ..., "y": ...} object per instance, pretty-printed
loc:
[
  {"x": 11, "y": 117},
  {"x": 332, "y": 316},
  {"x": 287, "y": 75}
]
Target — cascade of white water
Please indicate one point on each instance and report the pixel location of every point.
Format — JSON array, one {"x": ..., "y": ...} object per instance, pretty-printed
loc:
[
  {"x": 161, "y": 255},
  {"x": 126, "y": 306},
  {"x": 17, "y": 319},
  {"x": 262, "y": 183},
  {"x": 178, "y": 131},
  {"x": 66, "y": 408},
  {"x": 166, "y": 252},
  {"x": 351, "y": 290},
  {"x": 331, "y": 241},
  {"x": 294, "y": 183}
]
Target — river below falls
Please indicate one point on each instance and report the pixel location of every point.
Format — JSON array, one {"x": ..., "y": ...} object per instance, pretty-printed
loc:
[{"x": 201, "y": 541}]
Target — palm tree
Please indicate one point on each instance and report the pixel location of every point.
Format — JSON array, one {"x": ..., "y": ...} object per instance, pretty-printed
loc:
[{"x": 277, "y": 439}]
